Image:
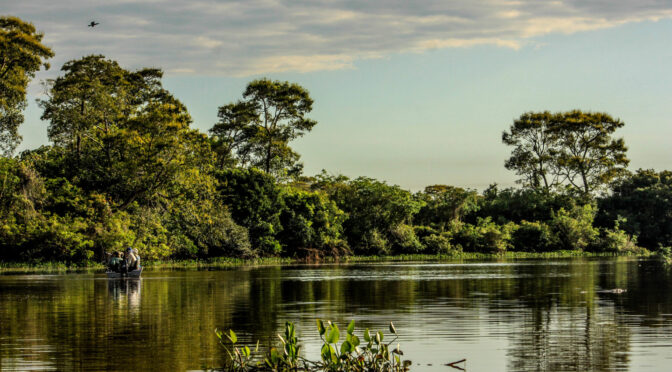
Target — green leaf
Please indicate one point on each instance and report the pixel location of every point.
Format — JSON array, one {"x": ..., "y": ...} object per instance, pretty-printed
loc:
[
  {"x": 232, "y": 336},
  {"x": 333, "y": 335},
  {"x": 379, "y": 337},
  {"x": 326, "y": 355},
  {"x": 346, "y": 347},
  {"x": 367, "y": 336},
  {"x": 351, "y": 326},
  {"x": 320, "y": 327},
  {"x": 354, "y": 340},
  {"x": 334, "y": 358}
]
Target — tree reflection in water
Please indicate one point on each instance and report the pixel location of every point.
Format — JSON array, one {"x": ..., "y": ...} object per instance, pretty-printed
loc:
[{"x": 525, "y": 316}]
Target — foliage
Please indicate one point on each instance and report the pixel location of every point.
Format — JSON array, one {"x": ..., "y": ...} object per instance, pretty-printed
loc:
[
  {"x": 443, "y": 204},
  {"x": 574, "y": 228},
  {"x": 533, "y": 237},
  {"x": 255, "y": 202},
  {"x": 373, "y": 243},
  {"x": 21, "y": 54},
  {"x": 310, "y": 220},
  {"x": 371, "y": 355},
  {"x": 643, "y": 203},
  {"x": 517, "y": 205},
  {"x": 440, "y": 243},
  {"x": 258, "y": 129},
  {"x": 573, "y": 149},
  {"x": 484, "y": 236},
  {"x": 374, "y": 209},
  {"x": 404, "y": 240},
  {"x": 126, "y": 136},
  {"x": 615, "y": 240},
  {"x": 534, "y": 152}
]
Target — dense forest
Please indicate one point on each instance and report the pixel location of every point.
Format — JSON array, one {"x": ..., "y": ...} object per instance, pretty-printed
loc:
[{"x": 124, "y": 168}]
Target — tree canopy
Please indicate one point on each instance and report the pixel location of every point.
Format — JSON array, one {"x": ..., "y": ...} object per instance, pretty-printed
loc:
[
  {"x": 572, "y": 149},
  {"x": 21, "y": 55},
  {"x": 256, "y": 131}
]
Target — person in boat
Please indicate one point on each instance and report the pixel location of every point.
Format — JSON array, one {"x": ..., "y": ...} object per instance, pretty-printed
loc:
[
  {"x": 131, "y": 260},
  {"x": 115, "y": 262},
  {"x": 137, "y": 256}
]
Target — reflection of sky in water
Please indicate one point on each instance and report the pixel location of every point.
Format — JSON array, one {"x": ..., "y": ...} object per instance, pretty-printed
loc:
[{"x": 523, "y": 316}]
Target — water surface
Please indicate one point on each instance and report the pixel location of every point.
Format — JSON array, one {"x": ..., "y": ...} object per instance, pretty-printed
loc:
[{"x": 532, "y": 315}]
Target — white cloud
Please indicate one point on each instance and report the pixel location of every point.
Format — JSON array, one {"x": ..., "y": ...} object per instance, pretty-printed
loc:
[{"x": 242, "y": 37}]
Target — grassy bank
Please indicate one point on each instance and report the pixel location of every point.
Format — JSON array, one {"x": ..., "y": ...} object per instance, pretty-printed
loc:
[{"x": 225, "y": 262}]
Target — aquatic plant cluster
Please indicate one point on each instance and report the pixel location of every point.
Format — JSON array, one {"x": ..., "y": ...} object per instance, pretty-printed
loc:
[
  {"x": 371, "y": 354},
  {"x": 125, "y": 168}
]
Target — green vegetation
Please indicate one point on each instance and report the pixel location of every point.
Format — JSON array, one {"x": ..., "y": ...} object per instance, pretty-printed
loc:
[
  {"x": 126, "y": 168},
  {"x": 370, "y": 354}
]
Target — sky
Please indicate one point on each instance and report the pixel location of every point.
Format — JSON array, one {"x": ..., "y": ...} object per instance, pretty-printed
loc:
[{"x": 411, "y": 92}]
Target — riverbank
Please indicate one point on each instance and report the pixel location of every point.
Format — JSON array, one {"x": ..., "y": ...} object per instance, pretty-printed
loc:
[{"x": 225, "y": 262}]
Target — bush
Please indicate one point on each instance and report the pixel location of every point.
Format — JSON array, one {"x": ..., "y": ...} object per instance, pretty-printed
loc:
[
  {"x": 373, "y": 243},
  {"x": 486, "y": 236},
  {"x": 613, "y": 240},
  {"x": 533, "y": 237},
  {"x": 404, "y": 240},
  {"x": 310, "y": 221},
  {"x": 440, "y": 244},
  {"x": 574, "y": 229},
  {"x": 644, "y": 200}
]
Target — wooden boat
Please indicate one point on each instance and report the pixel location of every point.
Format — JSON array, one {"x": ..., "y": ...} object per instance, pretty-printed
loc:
[{"x": 130, "y": 274}]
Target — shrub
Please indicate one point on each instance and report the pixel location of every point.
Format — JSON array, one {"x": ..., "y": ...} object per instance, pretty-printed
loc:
[
  {"x": 574, "y": 229},
  {"x": 533, "y": 237},
  {"x": 613, "y": 240},
  {"x": 439, "y": 244},
  {"x": 404, "y": 240},
  {"x": 486, "y": 236},
  {"x": 310, "y": 221},
  {"x": 374, "y": 243}
]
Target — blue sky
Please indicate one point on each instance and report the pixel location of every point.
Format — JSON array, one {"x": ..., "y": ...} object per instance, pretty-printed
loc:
[{"x": 414, "y": 93}]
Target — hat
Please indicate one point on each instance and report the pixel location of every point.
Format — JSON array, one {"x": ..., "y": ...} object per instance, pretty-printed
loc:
[{"x": 129, "y": 249}]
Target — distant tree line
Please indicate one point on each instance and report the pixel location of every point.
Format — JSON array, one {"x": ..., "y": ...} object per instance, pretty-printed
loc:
[{"x": 125, "y": 168}]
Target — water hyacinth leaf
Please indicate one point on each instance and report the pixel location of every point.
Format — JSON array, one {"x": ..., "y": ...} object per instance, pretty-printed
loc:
[
  {"x": 326, "y": 354},
  {"x": 379, "y": 337},
  {"x": 367, "y": 336},
  {"x": 320, "y": 327},
  {"x": 232, "y": 336},
  {"x": 351, "y": 326},
  {"x": 354, "y": 340},
  {"x": 333, "y": 335},
  {"x": 334, "y": 358},
  {"x": 392, "y": 329},
  {"x": 346, "y": 347},
  {"x": 246, "y": 351}
]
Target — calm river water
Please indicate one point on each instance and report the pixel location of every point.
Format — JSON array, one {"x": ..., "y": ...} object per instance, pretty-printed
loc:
[{"x": 516, "y": 316}]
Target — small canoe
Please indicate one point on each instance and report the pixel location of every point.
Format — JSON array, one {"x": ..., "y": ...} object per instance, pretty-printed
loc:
[{"x": 130, "y": 274}]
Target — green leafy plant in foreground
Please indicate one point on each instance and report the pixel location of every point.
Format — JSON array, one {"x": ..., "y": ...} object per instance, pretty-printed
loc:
[{"x": 371, "y": 355}]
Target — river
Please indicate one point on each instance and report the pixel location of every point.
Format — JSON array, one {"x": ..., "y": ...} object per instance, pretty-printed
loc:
[{"x": 524, "y": 315}]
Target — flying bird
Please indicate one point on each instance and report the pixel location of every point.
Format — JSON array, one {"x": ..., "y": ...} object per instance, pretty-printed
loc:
[{"x": 93, "y": 24}]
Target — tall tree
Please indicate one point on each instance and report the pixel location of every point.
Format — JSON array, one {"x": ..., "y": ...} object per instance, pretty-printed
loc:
[
  {"x": 257, "y": 130},
  {"x": 21, "y": 55},
  {"x": 129, "y": 137},
  {"x": 588, "y": 157},
  {"x": 532, "y": 157},
  {"x": 574, "y": 149}
]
